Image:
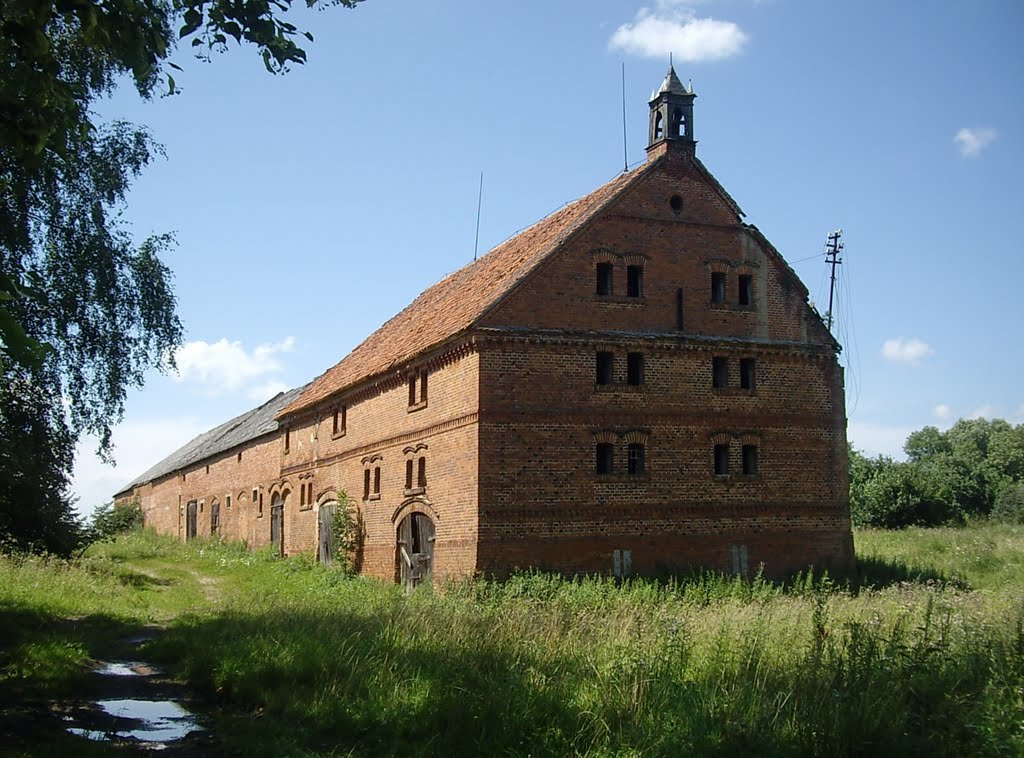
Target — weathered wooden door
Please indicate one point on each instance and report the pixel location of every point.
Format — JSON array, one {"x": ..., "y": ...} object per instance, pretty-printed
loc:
[
  {"x": 191, "y": 519},
  {"x": 214, "y": 519},
  {"x": 277, "y": 524},
  {"x": 326, "y": 521},
  {"x": 415, "y": 550}
]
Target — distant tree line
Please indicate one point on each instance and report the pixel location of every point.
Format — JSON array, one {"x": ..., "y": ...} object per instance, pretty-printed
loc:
[{"x": 974, "y": 469}]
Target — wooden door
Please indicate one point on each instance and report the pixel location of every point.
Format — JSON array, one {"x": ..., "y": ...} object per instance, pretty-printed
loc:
[
  {"x": 191, "y": 519},
  {"x": 277, "y": 524},
  {"x": 214, "y": 519},
  {"x": 415, "y": 550},
  {"x": 326, "y": 521}
]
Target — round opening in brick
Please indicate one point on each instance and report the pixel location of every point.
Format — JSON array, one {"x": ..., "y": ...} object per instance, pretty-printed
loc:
[{"x": 676, "y": 201}]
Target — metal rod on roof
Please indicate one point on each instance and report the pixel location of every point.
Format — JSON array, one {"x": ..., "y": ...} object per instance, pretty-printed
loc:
[
  {"x": 625, "y": 156},
  {"x": 479, "y": 200}
]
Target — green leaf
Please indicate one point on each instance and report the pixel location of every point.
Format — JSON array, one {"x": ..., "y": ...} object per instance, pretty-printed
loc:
[{"x": 170, "y": 84}]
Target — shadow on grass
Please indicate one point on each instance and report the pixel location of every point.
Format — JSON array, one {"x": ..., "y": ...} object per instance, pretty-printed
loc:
[
  {"x": 373, "y": 685},
  {"x": 874, "y": 572}
]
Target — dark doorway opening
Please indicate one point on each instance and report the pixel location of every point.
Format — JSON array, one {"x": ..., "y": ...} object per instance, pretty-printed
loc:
[
  {"x": 277, "y": 524},
  {"x": 191, "y": 519},
  {"x": 325, "y": 519}
]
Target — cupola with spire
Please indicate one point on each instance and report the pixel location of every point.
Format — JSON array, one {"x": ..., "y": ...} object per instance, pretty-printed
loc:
[{"x": 672, "y": 115}]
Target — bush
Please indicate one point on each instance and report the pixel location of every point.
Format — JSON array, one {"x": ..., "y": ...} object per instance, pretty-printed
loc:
[
  {"x": 109, "y": 519},
  {"x": 1009, "y": 505}
]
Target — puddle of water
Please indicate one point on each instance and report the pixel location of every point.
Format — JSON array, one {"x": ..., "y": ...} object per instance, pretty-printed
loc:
[
  {"x": 126, "y": 668},
  {"x": 154, "y": 722}
]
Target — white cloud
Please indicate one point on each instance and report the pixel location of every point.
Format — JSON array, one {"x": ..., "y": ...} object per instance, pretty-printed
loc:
[
  {"x": 984, "y": 411},
  {"x": 226, "y": 366},
  {"x": 911, "y": 351},
  {"x": 673, "y": 28},
  {"x": 942, "y": 411},
  {"x": 137, "y": 446},
  {"x": 878, "y": 439},
  {"x": 972, "y": 141}
]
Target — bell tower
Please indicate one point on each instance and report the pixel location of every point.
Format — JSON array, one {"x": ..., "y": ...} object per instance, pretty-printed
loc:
[{"x": 672, "y": 116}]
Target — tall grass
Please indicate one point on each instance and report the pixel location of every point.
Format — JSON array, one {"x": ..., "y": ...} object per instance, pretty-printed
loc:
[{"x": 922, "y": 653}]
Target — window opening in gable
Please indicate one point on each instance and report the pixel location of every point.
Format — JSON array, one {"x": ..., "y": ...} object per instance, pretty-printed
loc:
[
  {"x": 287, "y": 439},
  {"x": 717, "y": 287},
  {"x": 421, "y": 475},
  {"x": 676, "y": 203},
  {"x": 722, "y": 460},
  {"x": 418, "y": 389},
  {"x": 748, "y": 373},
  {"x": 423, "y": 386},
  {"x": 635, "y": 369},
  {"x": 340, "y": 420},
  {"x": 239, "y": 456},
  {"x": 746, "y": 289},
  {"x": 750, "y": 460},
  {"x": 604, "y": 278},
  {"x": 227, "y": 502},
  {"x": 412, "y": 390},
  {"x": 207, "y": 468},
  {"x": 605, "y": 364},
  {"x": 719, "y": 373},
  {"x": 605, "y": 457},
  {"x": 634, "y": 281},
  {"x": 636, "y": 458}
]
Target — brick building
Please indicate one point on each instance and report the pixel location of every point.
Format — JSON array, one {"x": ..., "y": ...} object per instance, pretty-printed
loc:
[{"x": 636, "y": 383}]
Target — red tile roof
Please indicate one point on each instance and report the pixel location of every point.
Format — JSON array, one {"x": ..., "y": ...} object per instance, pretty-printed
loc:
[{"x": 456, "y": 302}]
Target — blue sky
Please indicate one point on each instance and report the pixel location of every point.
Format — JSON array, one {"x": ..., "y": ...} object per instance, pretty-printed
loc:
[{"x": 311, "y": 207}]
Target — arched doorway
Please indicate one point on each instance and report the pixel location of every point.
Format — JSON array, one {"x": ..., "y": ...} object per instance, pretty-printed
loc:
[
  {"x": 277, "y": 523},
  {"x": 325, "y": 524},
  {"x": 415, "y": 550}
]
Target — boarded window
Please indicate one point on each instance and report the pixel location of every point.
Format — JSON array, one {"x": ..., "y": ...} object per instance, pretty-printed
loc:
[
  {"x": 721, "y": 460},
  {"x": 635, "y": 281},
  {"x": 717, "y": 287},
  {"x": 746, "y": 289},
  {"x": 750, "y": 460},
  {"x": 719, "y": 373},
  {"x": 635, "y": 369},
  {"x": 605, "y": 457},
  {"x": 636, "y": 458},
  {"x": 748, "y": 371},
  {"x": 605, "y": 362},
  {"x": 604, "y": 278}
]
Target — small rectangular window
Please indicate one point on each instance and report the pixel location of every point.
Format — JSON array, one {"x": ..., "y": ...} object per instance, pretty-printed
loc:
[
  {"x": 635, "y": 281},
  {"x": 366, "y": 484},
  {"x": 339, "y": 420},
  {"x": 605, "y": 457},
  {"x": 746, "y": 289},
  {"x": 717, "y": 287},
  {"x": 207, "y": 468},
  {"x": 408, "y": 474},
  {"x": 255, "y": 494},
  {"x": 239, "y": 456},
  {"x": 750, "y": 460},
  {"x": 227, "y": 502},
  {"x": 635, "y": 369},
  {"x": 719, "y": 373},
  {"x": 747, "y": 373},
  {"x": 260, "y": 512},
  {"x": 636, "y": 458},
  {"x": 421, "y": 479},
  {"x": 423, "y": 386},
  {"x": 376, "y": 480},
  {"x": 605, "y": 363},
  {"x": 604, "y": 278},
  {"x": 721, "y": 460},
  {"x": 412, "y": 390},
  {"x": 302, "y": 495},
  {"x": 287, "y": 439}
]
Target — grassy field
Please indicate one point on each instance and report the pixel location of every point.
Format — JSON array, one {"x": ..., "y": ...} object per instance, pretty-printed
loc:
[{"x": 922, "y": 653}]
